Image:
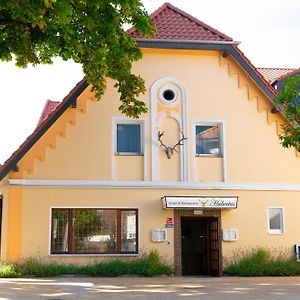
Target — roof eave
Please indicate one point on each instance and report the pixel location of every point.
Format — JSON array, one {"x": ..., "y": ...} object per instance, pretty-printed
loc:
[
  {"x": 12, "y": 162},
  {"x": 178, "y": 41}
]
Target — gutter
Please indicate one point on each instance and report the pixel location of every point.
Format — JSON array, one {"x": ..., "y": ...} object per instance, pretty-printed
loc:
[{"x": 141, "y": 40}]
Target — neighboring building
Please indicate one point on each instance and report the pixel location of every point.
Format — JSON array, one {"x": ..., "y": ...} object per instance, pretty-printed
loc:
[
  {"x": 271, "y": 74},
  {"x": 90, "y": 184}
]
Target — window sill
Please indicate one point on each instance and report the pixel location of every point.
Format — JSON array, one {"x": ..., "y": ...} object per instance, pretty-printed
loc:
[
  {"x": 128, "y": 154},
  {"x": 209, "y": 155},
  {"x": 276, "y": 232}
]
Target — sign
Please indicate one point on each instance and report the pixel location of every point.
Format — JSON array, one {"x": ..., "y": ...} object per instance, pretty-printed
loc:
[
  {"x": 169, "y": 223},
  {"x": 199, "y": 202},
  {"x": 169, "y": 220}
]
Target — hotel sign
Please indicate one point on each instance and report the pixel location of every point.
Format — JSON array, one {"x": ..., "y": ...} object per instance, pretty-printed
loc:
[{"x": 199, "y": 202}]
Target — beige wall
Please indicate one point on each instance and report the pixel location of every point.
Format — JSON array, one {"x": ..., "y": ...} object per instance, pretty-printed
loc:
[
  {"x": 253, "y": 152},
  {"x": 36, "y": 217},
  {"x": 250, "y": 218}
]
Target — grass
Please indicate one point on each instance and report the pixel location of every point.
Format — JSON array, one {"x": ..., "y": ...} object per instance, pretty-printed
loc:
[
  {"x": 262, "y": 262},
  {"x": 147, "y": 265}
]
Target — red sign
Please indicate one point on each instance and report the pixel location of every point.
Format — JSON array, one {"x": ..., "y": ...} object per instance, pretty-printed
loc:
[{"x": 169, "y": 221}]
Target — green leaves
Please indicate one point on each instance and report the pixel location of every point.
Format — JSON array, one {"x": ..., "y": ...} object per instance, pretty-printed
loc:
[
  {"x": 289, "y": 98},
  {"x": 88, "y": 31}
]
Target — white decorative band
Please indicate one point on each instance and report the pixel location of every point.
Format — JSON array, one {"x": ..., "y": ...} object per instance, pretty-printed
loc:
[{"x": 102, "y": 184}]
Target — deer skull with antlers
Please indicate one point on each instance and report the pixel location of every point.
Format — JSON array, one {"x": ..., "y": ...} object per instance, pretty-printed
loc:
[{"x": 170, "y": 150}]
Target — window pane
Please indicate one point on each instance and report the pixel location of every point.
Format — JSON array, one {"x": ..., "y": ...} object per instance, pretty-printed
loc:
[
  {"x": 275, "y": 219},
  {"x": 129, "y": 138},
  {"x": 208, "y": 139},
  {"x": 60, "y": 231},
  {"x": 94, "y": 231},
  {"x": 128, "y": 231}
]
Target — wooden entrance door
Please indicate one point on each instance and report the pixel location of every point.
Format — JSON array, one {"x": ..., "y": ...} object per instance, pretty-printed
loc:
[{"x": 200, "y": 253}]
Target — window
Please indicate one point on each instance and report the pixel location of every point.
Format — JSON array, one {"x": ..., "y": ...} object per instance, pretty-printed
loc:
[
  {"x": 168, "y": 94},
  {"x": 208, "y": 140},
  {"x": 275, "y": 220},
  {"x": 129, "y": 139},
  {"x": 94, "y": 231}
]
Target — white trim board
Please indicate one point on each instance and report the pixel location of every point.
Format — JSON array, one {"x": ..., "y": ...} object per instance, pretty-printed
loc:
[{"x": 103, "y": 184}]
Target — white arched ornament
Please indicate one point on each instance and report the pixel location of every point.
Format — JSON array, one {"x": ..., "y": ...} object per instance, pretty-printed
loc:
[{"x": 156, "y": 91}]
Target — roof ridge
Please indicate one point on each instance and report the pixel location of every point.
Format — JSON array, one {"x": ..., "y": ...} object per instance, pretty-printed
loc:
[
  {"x": 182, "y": 14},
  {"x": 273, "y": 68},
  {"x": 187, "y": 15}
]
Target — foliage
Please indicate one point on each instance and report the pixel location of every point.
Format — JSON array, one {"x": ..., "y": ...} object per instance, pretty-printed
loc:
[
  {"x": 260, "y": 262},
  {"x": 290, "y": 100},
  {"x": 88, "y": 31},
  {"x": 148, "y": 265},
  {"x": 9, "y": 270}
]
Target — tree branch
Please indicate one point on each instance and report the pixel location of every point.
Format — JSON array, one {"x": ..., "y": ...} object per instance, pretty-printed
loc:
[{"x": 11, "y": 22}]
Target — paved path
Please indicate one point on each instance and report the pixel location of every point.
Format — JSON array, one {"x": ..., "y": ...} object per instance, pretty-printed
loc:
[{"x": 64, "y": 288}]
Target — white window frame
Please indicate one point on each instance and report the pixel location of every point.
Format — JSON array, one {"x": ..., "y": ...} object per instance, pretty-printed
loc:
[
  {"x": 282, "y": 221},
  {"x": 221, "y": 139},
  {"x": 115, "y": 133},
  {"x": 144, "y": 152}
]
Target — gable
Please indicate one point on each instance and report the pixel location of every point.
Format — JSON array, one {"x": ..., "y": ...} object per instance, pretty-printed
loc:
[{"x": 206, "y": 41}]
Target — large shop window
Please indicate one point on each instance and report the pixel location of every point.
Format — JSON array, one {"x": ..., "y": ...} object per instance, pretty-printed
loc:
[
  {"x": 94, "y": 231},
  {"x": 129, "y": 139},
  {"x": 275, "y": 220},
  {"x": 208, "y": 140}
]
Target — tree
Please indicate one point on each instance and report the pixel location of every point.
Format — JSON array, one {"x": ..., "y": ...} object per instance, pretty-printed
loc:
[
  {"x": 91, "y": 32},
  {"x": 289, "y": 99}
]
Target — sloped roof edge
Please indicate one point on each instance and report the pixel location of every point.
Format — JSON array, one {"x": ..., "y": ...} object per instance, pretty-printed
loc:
[{"x": 11, "y": 163}]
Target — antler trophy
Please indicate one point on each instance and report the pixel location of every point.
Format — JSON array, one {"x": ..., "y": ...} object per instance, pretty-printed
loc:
[{"x": 170, "y": 150}]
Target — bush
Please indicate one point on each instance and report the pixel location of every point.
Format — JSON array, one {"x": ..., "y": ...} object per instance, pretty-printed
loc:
[
  {"x": 260, "y": 262},
  {"x": 9, "y": 271},
  {"x": 147, "y": 265}
]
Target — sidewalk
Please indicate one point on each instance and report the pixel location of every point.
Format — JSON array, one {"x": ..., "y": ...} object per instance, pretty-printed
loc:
[{"x": 165, "y": 288}]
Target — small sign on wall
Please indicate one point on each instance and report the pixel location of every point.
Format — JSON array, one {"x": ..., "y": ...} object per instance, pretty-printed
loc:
[
  {"x": 169, "y": 223},
  {"x": 230, "y": 234}
]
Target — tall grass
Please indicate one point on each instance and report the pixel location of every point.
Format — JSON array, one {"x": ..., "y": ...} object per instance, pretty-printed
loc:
[
  {"x": 147, "y": 265},
  {"x": 262, "y": 262}
]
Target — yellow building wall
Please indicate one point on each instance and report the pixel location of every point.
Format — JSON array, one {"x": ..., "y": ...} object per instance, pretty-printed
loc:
[
  {"x": 33, "y": 224},
  {"x": 251, "y": 221},
  {"x": 36, "y": 218},
  {"x": 214, "y": 92}
]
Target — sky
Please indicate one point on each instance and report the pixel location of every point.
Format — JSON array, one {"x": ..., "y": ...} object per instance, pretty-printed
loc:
[{"x": 269, "y": 32}]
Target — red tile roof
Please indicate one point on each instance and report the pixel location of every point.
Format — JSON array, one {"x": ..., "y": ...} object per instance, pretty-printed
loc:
[
  {"x": 171, "y": 23},
  {"x": 271, "y": 74},
  {"x": 293, "y": 72},
  {"x": 48, "y": 108}
]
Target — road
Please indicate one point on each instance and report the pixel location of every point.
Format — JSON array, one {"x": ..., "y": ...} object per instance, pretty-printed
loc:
[{"x": 166, "y": 288}]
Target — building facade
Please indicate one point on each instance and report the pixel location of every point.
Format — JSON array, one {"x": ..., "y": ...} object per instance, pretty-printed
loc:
[{"x": 201, "y": 175}]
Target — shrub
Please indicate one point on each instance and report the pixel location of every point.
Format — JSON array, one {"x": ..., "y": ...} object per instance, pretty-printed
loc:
[
  {"x": 9, "y": 271},
  {"x": 260, "y": 262},
  {"x": 147, "y": 265}
]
